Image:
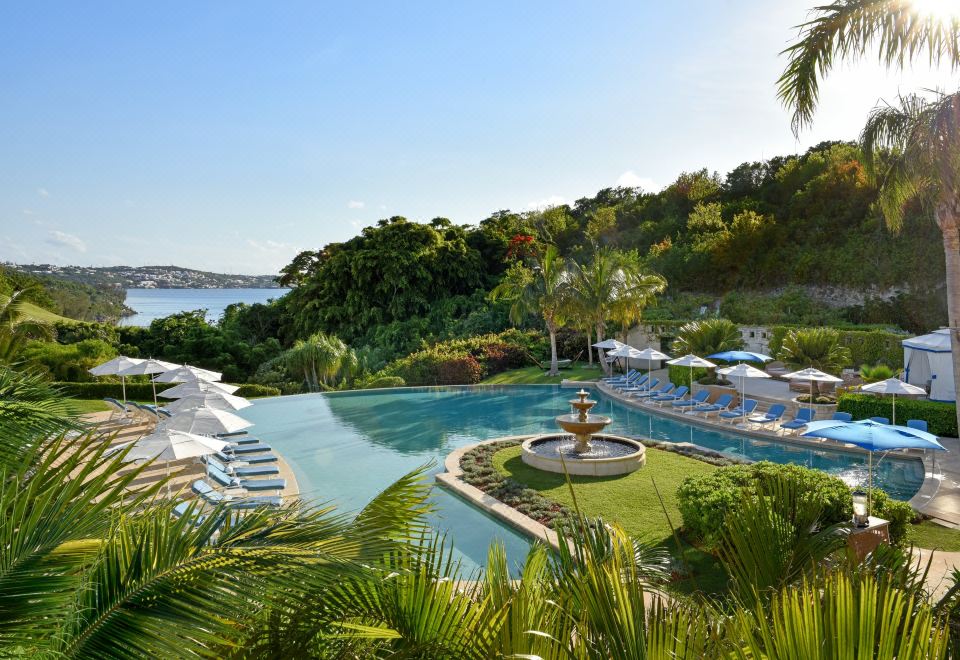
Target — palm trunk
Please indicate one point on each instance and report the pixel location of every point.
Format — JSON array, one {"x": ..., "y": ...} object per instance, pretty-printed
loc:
[
  {"x": 589, "y": 346},
  {"x": 603, "y": 363},
  {"x": 554, "y": 366},
  {"x": 949, "y": 221}
]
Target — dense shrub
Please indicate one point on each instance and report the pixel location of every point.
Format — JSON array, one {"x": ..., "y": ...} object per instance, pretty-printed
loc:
[
  {"x": 705, "y": 501},
  {"x": 67, "y": 362},
  {"x": 467, "y": 361},
  {"x": 144, "y": 391},
  {"x": 941, "y": 418},
  {"x": 383, "y": 381},
  {"x": 463, "y": 370},
  {"x": 681, "y": 375}
]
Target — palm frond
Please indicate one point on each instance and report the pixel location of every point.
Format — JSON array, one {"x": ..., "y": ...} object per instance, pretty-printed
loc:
[{"x": 846, "y": 30}]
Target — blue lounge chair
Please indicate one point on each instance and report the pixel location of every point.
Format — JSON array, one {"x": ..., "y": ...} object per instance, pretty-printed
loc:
[
  {"x": 842, "y": 417},
  {"x": 633, "y": 383},
  {"x": 918, "y": 424},
  {"x": 249, "y": 449},
  {"x": 255, "y": 501},
  {"x": 804, "y": 417},
  {"x": 772, "y": 416},
  {"x": 246, "y": 458},
  {"x": 616, "y": 379},
  {"x": 247, "y": 471},
  {"x": 263, "y": 484},
  {"x": 678, "y": 394},
  {"x": 207, "y": 492},
  {"x": 666, "y": 389},
  {"x": 695, "y": 400},
  {"x": 116, "y": 408},
  {"x": 642, "y": 385},
  {"x": 183, "y": 508},
  {"x": 880, "y": 420},
  {"x": 722, "y": 403},
  {"x": 222, "y": 477},
  {"x": 747, "y": 408}
]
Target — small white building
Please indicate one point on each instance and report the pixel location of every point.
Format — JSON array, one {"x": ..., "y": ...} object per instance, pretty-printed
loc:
[{"x": 928, "y": 363}]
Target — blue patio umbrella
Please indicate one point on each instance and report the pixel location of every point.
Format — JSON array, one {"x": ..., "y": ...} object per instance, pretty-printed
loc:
[
  {"x": 873, "y": 436},
  {"x": 740, "y": 356}
]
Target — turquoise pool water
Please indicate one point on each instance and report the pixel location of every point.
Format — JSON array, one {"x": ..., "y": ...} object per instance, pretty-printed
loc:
[{"x": 347, "y": 446}]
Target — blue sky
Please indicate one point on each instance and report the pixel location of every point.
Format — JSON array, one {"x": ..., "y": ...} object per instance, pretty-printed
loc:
[{"x": 228, "y": 136}]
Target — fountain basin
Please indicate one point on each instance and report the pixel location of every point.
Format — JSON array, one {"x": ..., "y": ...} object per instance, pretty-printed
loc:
[{"x": 608, "y": 455}]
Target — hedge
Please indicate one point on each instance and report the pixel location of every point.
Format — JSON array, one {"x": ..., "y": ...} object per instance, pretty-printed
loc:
[
  {"x": 681, "y": 375},
  {"x": 144, "y": 391},
  {"x": 866, "y": 346},
  {"x": 941, "y": 418}
]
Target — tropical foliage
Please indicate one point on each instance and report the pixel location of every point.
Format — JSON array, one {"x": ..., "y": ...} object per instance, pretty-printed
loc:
[
  {"x": 707, "y": 337},
  {"x": 814, "y": 347},
  {"x": 17, "y": 327}
]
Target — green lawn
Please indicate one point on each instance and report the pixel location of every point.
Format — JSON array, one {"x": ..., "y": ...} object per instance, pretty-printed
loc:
[
  {"x": 937, "y": 537},
  {"x": 84, "y": 406},
  {"x": 629, "y": 500},
  {"x": 537, "y": 376}
]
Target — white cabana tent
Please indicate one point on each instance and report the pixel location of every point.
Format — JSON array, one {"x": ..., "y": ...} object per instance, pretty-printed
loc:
[{"x": 928, "y": 363}]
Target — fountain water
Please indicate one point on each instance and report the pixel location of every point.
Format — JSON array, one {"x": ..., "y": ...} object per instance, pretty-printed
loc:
[{"x": 590, "y": 452}]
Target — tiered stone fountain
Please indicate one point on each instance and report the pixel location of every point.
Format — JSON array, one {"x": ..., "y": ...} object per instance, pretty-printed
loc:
[{"x": 584, "y": 451}]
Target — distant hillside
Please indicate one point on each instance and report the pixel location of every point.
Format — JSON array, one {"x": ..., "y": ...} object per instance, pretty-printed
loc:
[
  {"x": 149, "y": 277},
  {"x": 53, "y": 297}
]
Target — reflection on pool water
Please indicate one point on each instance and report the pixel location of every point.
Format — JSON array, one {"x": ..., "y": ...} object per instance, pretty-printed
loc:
[{"x": 347, "y": 446}]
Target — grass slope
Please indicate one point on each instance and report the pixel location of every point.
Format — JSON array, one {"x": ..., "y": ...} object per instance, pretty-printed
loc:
[
  {"x": 631, "y": 501},
  {"x": 537, "y": 376},
  {"x": 40, "y": 314},
  {"x": 930, "y": 535}
]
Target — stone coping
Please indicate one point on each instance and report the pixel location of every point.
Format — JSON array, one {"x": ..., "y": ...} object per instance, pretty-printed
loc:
[
  {"x": 920, "y": 501},
  {"x": 452, "y": 480}
]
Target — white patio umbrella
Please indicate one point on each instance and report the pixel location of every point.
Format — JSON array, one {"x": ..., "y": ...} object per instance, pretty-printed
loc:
[
  {"x": 893, "y": 386},
  {"x": 650, "y": 354},
  {"x": 197, "y": 387},
  {"x": 215, "y": 400},
  {"x": 208, "y": 421},
  {"x": 148, "y": 367},
  {"x": 814, "y": 376},
  {"x": 625, "y": 351},
  {"x": 113, "y": 368},
  {"x": 608, "y": 344},
  {"x": 691, "y": 361},
  {"x": 743, "y": 371},
  {"x": 187, "y": 374},
  {"x": 170, "y": 445}
]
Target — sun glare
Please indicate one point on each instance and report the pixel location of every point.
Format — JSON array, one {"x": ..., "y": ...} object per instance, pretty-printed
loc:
[{"x": 942, "y": 10}]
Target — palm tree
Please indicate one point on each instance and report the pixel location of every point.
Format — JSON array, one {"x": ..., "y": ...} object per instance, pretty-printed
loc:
[
  {"x": 30, "y": 411},
  {"x": 17, "y": 327},
  {"x": 706, "y": 337},
  {"x": 612, "y": 286},
  {"x": 542, "y": 290},
  {"x": 814, "y": 347},
  {"x": 923, "y": 134},
  {"x": 322, "y": 360}
]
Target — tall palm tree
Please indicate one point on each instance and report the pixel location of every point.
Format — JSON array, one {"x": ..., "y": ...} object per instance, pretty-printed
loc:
[
  {"x": 814, "y": 347},
  {"x": 612, "y": 286},
  {"x": 541, "y": 289},
  {"x": 17, "y": 327},
  {"x": 923, "y": 134}
]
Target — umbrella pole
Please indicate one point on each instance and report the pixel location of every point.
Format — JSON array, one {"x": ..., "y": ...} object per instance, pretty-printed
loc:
[
  {"x": 156, "y": 408},
  {"x": 870, "y": 484},
  {"x": 894, "y": 408},
  {"x": 123, "y": 387}
]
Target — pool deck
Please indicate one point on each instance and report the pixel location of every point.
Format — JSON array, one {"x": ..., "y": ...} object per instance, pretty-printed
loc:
[
  {"x": 182, "y": 473},
  {"x": 938, "y": 496}
]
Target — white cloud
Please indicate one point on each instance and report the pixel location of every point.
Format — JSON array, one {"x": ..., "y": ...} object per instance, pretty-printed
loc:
[
  {"x": 552, "y": 200},
  {"x": 29, "y": 212},
  {"x": 43, "y": 192},
  {"x": 69, "y": 240},
  {"x": 354, "y": 204},
  {"x": 631, "y": 179}
]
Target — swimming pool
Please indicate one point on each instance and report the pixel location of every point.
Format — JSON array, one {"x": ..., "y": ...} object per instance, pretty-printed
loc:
[{"x": 347, "y": 446}]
